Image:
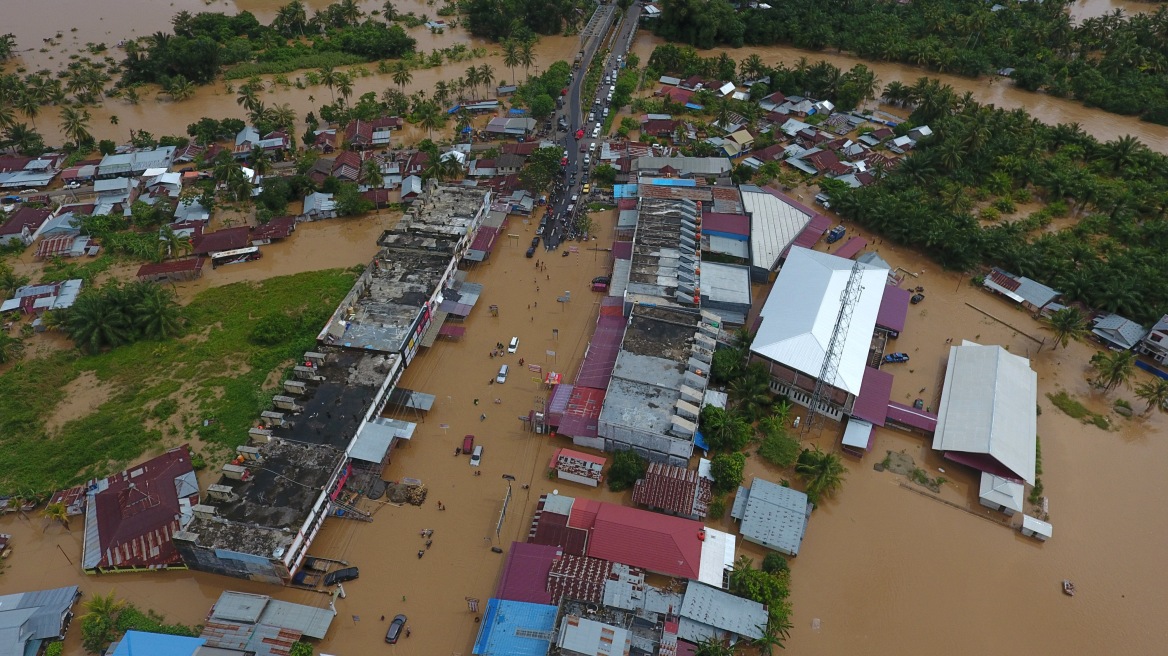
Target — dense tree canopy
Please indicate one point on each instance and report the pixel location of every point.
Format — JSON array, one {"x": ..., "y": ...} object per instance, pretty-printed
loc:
[
  {"x": 1114, "y": 62},
  {"x": 953, "y": 195},
  {"x": 501, "y": 19}
]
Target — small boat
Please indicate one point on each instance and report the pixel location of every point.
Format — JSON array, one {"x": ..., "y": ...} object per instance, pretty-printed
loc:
[{"x": 1068, "y": 588}]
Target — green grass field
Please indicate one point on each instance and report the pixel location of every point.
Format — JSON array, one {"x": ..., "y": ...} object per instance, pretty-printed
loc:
[{"x": 236, "y": 336}]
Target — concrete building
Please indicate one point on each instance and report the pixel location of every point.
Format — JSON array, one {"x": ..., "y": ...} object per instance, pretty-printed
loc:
[
  {"x": 30, "y": 620},
  {"x": 1030, "y": 294},
  {"x": 577, "y": 467},
  {"x": 135, "y": 162},
  {"x": 580, "y": 636},
  {"x": 799, "y": 319},
  {"x": 666, "y": 256},
  {"x": 773, "y": 516},
  {"x": 1155, "y": 343},
  {"x": 726, "y": 291},
  {"x": 656, "y": 387},
  {"x": 132, "y": 516},
  {"x": 707, "y": 612},
  {"x": 987, "y": 419},
  {"x": 259, "y": 520},
  {"x": 695, "y": 167}
]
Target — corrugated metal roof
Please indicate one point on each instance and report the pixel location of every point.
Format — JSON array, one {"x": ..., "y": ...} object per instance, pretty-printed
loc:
[
  {"x": 872, "y": 402},
  {"x": 525, "y": 573},
  {"x": 800, "y": 315},
  {"x": 515, "y": 628},
  {"x": 714, "y": 608},
  {"x": 988, "y": 408},
  {"x": 652, "y": 541},
  {"x": 673, "y": 489},
  {"x": 774, "y": 224},
  {"x": 26, "y": 618},
  {"x": 774, "y": 516}
]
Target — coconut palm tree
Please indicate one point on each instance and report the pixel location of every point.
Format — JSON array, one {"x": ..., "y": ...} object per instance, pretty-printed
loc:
[
  {"x": 472, "y": 78},
  {"x": 328, "y": 77},
  {"x": 7, "y": 114},
  {"x": 106, "y": 606},
  {"x": 248, "y": 97},
  {"x": 822, "y": 473},
  {"x": 29, "y": 106},
  {"x": 23, "y": 138},
  {"x": 750, "y": 392},
  {"x": 291, "y": 19},
  {"x": 350, "y": 12},
  {"x": 223, "y": 165},
  {"x": 486, "y": 76},
  {"x": 284, "y": 117},
  {"x": 345, "y": 87},
  {"x": 370, "y": 174},
  {"x": 1068, "y": 324},
  {"x": 1155, "y": 392},
  {"x": 180, "y": 88},
  {"x": 431, "y": 118},
  {"x": 402, "y": 75},
  {"x": 1115, "y": 368},
  {"x": 75, "y": 125},
  {"x": 511, "y": 57},
  {"x": 527, "y": 56},
  {"x": 174, "y": 244},
  {"x": 56, "y": 512},
  {"x": 388, "y": 11},
  {"x": 261, "y": 163},
  {"x": 157, "y": 314}
]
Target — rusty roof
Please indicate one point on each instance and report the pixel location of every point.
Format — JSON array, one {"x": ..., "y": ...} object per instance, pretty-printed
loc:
[{"x": 673, "y": 489}]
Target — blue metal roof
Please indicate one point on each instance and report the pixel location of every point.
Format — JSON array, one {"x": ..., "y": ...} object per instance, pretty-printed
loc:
[
  {"x": 141, "y": 643},
  {"x": 624, "y": 191},
  {"x": 515, "y": 628},
  {"x": 670, "y": 182}
]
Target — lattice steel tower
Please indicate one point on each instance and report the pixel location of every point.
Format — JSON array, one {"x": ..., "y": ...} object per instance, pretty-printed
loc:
[{"x": 835, "y": 345}]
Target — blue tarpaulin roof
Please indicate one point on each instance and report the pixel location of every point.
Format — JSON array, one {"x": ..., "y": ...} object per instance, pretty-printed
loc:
[
  {"x": 140, "y": 643},
  {"x": 624, "y": 191},
  {"x": 693, "y": 106},
  {"x": 516, "y": 111},
  {"x": 671, "y": 182},
  {"x": 700, "y": 441},
  {"x": 454, "y": 109}
]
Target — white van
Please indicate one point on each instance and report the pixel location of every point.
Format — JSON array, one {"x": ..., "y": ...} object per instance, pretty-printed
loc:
[
  {"x": 502, "y": 377},
  {"x": 476, "y": 457},
  {"x": 514, "y": 345}
]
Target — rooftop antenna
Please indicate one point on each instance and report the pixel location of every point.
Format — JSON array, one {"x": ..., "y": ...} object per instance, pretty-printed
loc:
[{"x": 821, "y": 397}]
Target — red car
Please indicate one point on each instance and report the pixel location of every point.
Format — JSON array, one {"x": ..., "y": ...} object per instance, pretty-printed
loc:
[
  {"x": 564, "y": 161},
  {"x": 580, "y": 134}
]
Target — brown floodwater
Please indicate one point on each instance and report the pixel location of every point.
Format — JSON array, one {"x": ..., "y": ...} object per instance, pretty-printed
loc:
[{"x": 1083, "y": 9}]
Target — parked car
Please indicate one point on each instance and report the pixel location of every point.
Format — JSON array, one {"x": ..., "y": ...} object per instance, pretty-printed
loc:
[
  {"x": 916, "y": 298},
  {"x": 467, "y": 443},
  {"x": 896, "y": 357},
  {"x": 836, "y": 234},
  {"x": 395, "y": 629},
  {"x": 30, "y": 191},
  {"x": 601, "y": 280},
  {"x": 341, "y": 576},
  {"x": 476, "y": 456},
  {"x": 73, "y": 185},
  {"x": 513, "y": 345},
  {"x": 531, "y": 252},
  {"x": 502, "y": 377},
  {"x": 535, "y": 241}
]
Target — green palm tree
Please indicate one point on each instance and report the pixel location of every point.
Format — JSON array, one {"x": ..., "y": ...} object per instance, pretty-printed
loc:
[
  {"x": 1115, "y": 368},
  {"x": 94, "y": 323},
  {"x": 284, "y": 117},
  {"x": 157, "y": 314},
  {"x": 402, "y": 75},
  {"x": 223, "y": 165},
  {"x": 291, "y": 19},
  {"x": 388, "y": 12},
  {"x": 511, "y": 57},
  {"x": 713, "y": 646},
  {"x": 1068, "y": 324},
  {"x": 350, "y": 11},
  {"x": 29, "y": 106},
  {"x": 527, "y": 56},
  {"x": 260, "y": 162},
  {"x": 345, "y": 87},
  {"x": 370, "y": 174},
  {"x": 750, "y": 392},
  {"x": 56, "y": 512},
  {"x": 24, "y": 139},
  {"x": 329, "y": 77},
  {"x": 472, "y": 77},
  {"x": 770, "y": 639},
  {"x": 173, "y": 244},
  {"x": 1123, "y": 152},
  {"x": 75, "y": 125},
  {"x": 180, "y": 88},
  {"x": 821, "y": 472},
  {"x": 486, "y": 76},
  {"x": 10, "y": 348},
  {"x": 106, "y": 606},
  {"x": 1155, "y": 392},
  {"x": 431, "y": 118},
  {"x": 248, "y": 97}
]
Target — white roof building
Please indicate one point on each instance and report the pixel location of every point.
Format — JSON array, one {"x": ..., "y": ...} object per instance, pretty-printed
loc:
[
  {"x": 1001, "y": 494},
  {"x": 774, "y": 225},
  {"x": 800, "y": 315},
  {"x": 579, "y": 635},
  {"x": 987, "y": 418}
]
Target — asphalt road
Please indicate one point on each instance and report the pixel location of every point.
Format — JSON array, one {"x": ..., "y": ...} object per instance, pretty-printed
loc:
[{"x": 574, "y": 112}]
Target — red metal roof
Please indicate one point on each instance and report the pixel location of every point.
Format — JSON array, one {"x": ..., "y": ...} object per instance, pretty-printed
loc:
[
  {"x": 51, "y": 246},
  {"x": 222, "y": 240},
  {"x": 25, "y": 217},
  {"x": 172, "y": 266},
  {"x": 673, "y": 489},
  {"x": 485, "y": 239},
  {"x": 893, "y": 308},
  {"x": 552, "y": 529},
  {"x": 622, "y": 250},
  {"x": 1004, "y": 281},
  {"x": 872, "y": 403},
  {"x": 851, "y": 247},
  {"x": 734, "y": 224},
  {"x": 583, "y": 513},
  {"x": 919, "y": 419},
  {"x": 578, "y": 455},
  {"x": 279, "y": 228},
  {"x": 138, "y": 512},
  {"x": 525, "y": 573},
  {"x": 600, "y": 358},
  {"x": 654, "y": 542},
  {"x": 810, "y": 234}
]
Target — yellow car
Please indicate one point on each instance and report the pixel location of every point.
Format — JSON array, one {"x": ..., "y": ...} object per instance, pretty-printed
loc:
[{"x": 586, "y": 187}]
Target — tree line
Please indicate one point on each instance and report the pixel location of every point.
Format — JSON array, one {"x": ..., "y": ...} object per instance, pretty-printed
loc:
[
  {"x": 1100, "y": 235},
  {"x": 522, "y": 19},
  {"x": 201, "y": 44},
  {"x": 1114, "y": 62}
]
